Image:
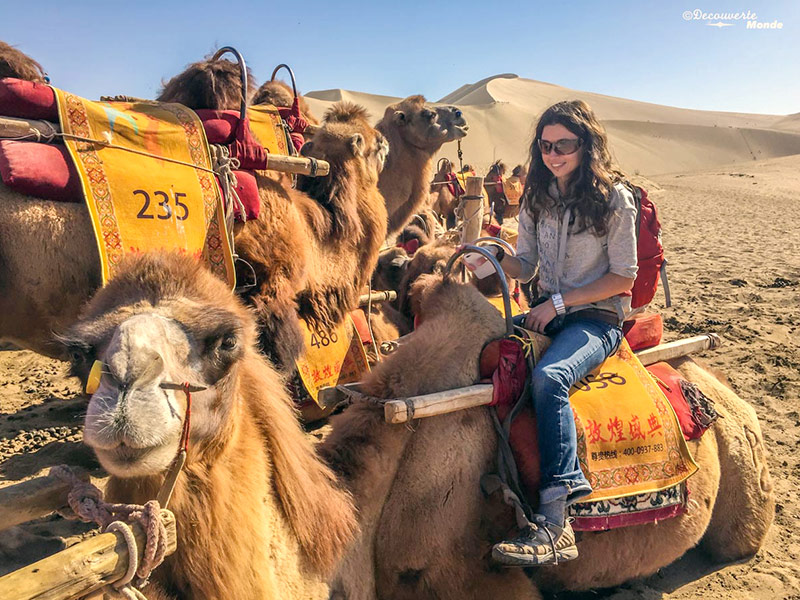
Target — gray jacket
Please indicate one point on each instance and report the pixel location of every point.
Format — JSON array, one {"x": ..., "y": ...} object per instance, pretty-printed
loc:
[{"x": 569, "y": 260}]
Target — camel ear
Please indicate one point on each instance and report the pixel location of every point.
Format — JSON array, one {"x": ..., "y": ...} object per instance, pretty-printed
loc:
[
  {"x": 357, "y": 143},
  {"x": 399, "y": 117}
]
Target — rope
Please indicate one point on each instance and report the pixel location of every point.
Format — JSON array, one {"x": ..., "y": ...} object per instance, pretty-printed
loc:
[
  {"x": 224, "y": 166},
  {"x": 86, "y": 502}
]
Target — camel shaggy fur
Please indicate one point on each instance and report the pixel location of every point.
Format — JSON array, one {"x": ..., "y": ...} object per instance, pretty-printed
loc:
[
  {"x": 397, "y": 474},
  {"x": 209, "y": 84},
  {"x": 278, "y": 93},
  {"x": 259, "y": 515},
  {"x": 15, "y": 63},
  {"x": 415, "y": 133}
]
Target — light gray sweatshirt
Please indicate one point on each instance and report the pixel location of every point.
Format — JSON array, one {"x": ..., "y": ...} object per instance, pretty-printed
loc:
[{"x": 569, "y": 260}]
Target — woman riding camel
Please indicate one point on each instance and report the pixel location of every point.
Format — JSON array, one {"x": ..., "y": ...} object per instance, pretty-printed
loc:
[{"x": 578, "y": 226}]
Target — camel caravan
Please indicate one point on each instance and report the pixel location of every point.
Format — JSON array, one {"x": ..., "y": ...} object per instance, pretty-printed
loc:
[{"x": 200, "y": 341}]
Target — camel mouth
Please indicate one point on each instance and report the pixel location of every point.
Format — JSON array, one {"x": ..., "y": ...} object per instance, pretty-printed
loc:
[{"x": 125, "y": 461}]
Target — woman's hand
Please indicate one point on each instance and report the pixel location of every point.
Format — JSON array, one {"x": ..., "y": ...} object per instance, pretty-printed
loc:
[{"x": 539, "y": 316}]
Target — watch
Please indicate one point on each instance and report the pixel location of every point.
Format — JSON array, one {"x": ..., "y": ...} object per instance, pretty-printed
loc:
[
  {"x": 558, "y": 303},
  {"x": 501, "y": 253}
]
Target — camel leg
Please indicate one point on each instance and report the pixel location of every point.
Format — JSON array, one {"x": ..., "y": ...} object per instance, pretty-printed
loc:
[{"x": 745, "y": 506}]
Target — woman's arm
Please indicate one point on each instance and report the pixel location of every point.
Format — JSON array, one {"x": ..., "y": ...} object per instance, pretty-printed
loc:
[{"x": 607, "y": 286}]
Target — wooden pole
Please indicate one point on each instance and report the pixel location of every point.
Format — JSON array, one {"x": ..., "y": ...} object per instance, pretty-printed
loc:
[
  {"x": 80, "y": 569},
  {"x": 678, "y": 348},
  {"x": 440, "y": 403},
  {"x": 33, "y": 499},
  {"x": 11, "y": 127},
  {"x": 298, "y": 165},
  {"x": 472, "y": 210},
  {"x": 386, "y": 296}
]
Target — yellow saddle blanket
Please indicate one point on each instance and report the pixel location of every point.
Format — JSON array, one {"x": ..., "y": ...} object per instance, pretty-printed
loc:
[
  {"x": 629, "y": 438},
  {"x": 146, "y": 175},
  {"x": 331, "y": 357},
  {"x": 267, "y": 127}
]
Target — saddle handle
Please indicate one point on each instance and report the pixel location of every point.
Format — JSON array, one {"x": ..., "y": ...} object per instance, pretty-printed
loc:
[
  {"x": 498, "y": 270},
  {"x": 243, "y": 69},
  {"x": 291, "y": 76},
  {"x": 495, "y": 240}
]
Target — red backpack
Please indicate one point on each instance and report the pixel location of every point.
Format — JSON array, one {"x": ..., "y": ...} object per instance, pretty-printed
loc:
[{"x": 650, "y": 252}]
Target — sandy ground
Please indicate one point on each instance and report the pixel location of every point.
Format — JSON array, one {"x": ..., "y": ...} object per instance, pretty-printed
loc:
[{"x": 733, "y": 241}]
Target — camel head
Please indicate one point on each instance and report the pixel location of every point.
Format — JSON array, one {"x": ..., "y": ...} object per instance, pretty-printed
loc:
[
  {"x": 278, "y": 93},
  {"x": 349, "y": 143},
  {"x": 208, "y": 84},
  {"x": 423, "y": 126},
  {"x": 162, "y": 320},
  {"x": 14, "y": 63}
]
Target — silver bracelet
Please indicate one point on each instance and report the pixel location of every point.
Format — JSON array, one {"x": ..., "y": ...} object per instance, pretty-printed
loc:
[{"x": 558, "y": 304}]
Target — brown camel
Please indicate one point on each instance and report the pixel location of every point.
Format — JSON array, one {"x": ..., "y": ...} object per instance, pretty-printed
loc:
[
  {"x": 164, "y": 318},
  {"x": 443, "y": 201},
  {"x": 214, "y": 85},
  {"x": 260, "y": 516},
  {"x": 314, "y": 248},
  {"x": 278, "y": 93},
  {"x": 14, "y": 63},
  {"x": 496, "y": 198},
  {"x": 415, "y": 133},
  {"x": 433, "y": 469},
  {"x": 49, "y": 256}
]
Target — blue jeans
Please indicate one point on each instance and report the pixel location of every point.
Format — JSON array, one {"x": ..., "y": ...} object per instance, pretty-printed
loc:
[{"x": 576, "y": 350}]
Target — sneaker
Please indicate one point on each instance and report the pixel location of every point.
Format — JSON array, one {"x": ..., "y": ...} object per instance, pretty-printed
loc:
[{"x": 540, "y": 543}]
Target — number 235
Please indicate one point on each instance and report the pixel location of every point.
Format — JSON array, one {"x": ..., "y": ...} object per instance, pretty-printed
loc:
[{"x": 166, "y": 209}]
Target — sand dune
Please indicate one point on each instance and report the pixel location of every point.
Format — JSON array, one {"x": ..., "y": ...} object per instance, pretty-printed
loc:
[{"x": 646, "y": 138}]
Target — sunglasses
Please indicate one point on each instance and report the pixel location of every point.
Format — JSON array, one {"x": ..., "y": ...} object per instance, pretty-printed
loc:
[{"x": 561, "y": 147}]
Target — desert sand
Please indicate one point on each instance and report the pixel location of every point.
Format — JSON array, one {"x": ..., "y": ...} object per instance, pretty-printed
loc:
[{"x": 727, "y": 186}]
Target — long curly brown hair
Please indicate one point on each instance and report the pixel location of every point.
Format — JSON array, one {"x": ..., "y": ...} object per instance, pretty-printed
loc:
[{"x": 592, "y": 182}]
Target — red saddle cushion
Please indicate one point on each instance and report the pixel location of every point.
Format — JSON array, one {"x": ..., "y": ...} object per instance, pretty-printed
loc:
[
  {"x": 643, "y": 330},
  {"x": 39, "y": 170},
  {"x": 669, "y": 380},
  {"x": 27, "y": 100}
]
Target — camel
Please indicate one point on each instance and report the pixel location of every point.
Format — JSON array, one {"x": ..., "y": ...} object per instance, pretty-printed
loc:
[
  {"x": 260, "y": 516},
  {"x": 415, "y": 133},
  {"x": 14, "y": 63},
  {"x": 50, "y": 259},
  {"x": 314, "y": 248},
  {"x": 443, "y": 201},
  {"x": 434, "y": 467},
  {"x": 278, "y": 93},
  {"x": 495, "y": 197},
  {"x": 165, "y": 319}
]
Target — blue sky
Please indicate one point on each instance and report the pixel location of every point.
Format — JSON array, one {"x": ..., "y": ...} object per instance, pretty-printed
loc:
[{"x": 638, "y": 50}]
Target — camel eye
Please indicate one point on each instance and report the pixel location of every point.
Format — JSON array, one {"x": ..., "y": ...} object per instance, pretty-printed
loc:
[{"x": 228, "y": 342}]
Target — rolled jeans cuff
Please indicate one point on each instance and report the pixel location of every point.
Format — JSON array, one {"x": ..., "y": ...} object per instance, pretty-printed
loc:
[{"x": 572, "y": 491}]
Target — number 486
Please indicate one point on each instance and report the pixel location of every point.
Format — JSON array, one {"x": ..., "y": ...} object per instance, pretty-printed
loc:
[{"x": 182, "y": 211}]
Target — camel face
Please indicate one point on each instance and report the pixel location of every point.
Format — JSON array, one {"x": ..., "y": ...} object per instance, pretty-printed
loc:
[
  {"x": 426, "y": 127},
  {"x": 453, "y": 122},
  {"x": 148, "y": 349},
  {"x": 132, "y": 423}
]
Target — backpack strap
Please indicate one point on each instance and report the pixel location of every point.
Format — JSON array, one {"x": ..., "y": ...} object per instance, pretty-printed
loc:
[{"x": 665, "y": 283}]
